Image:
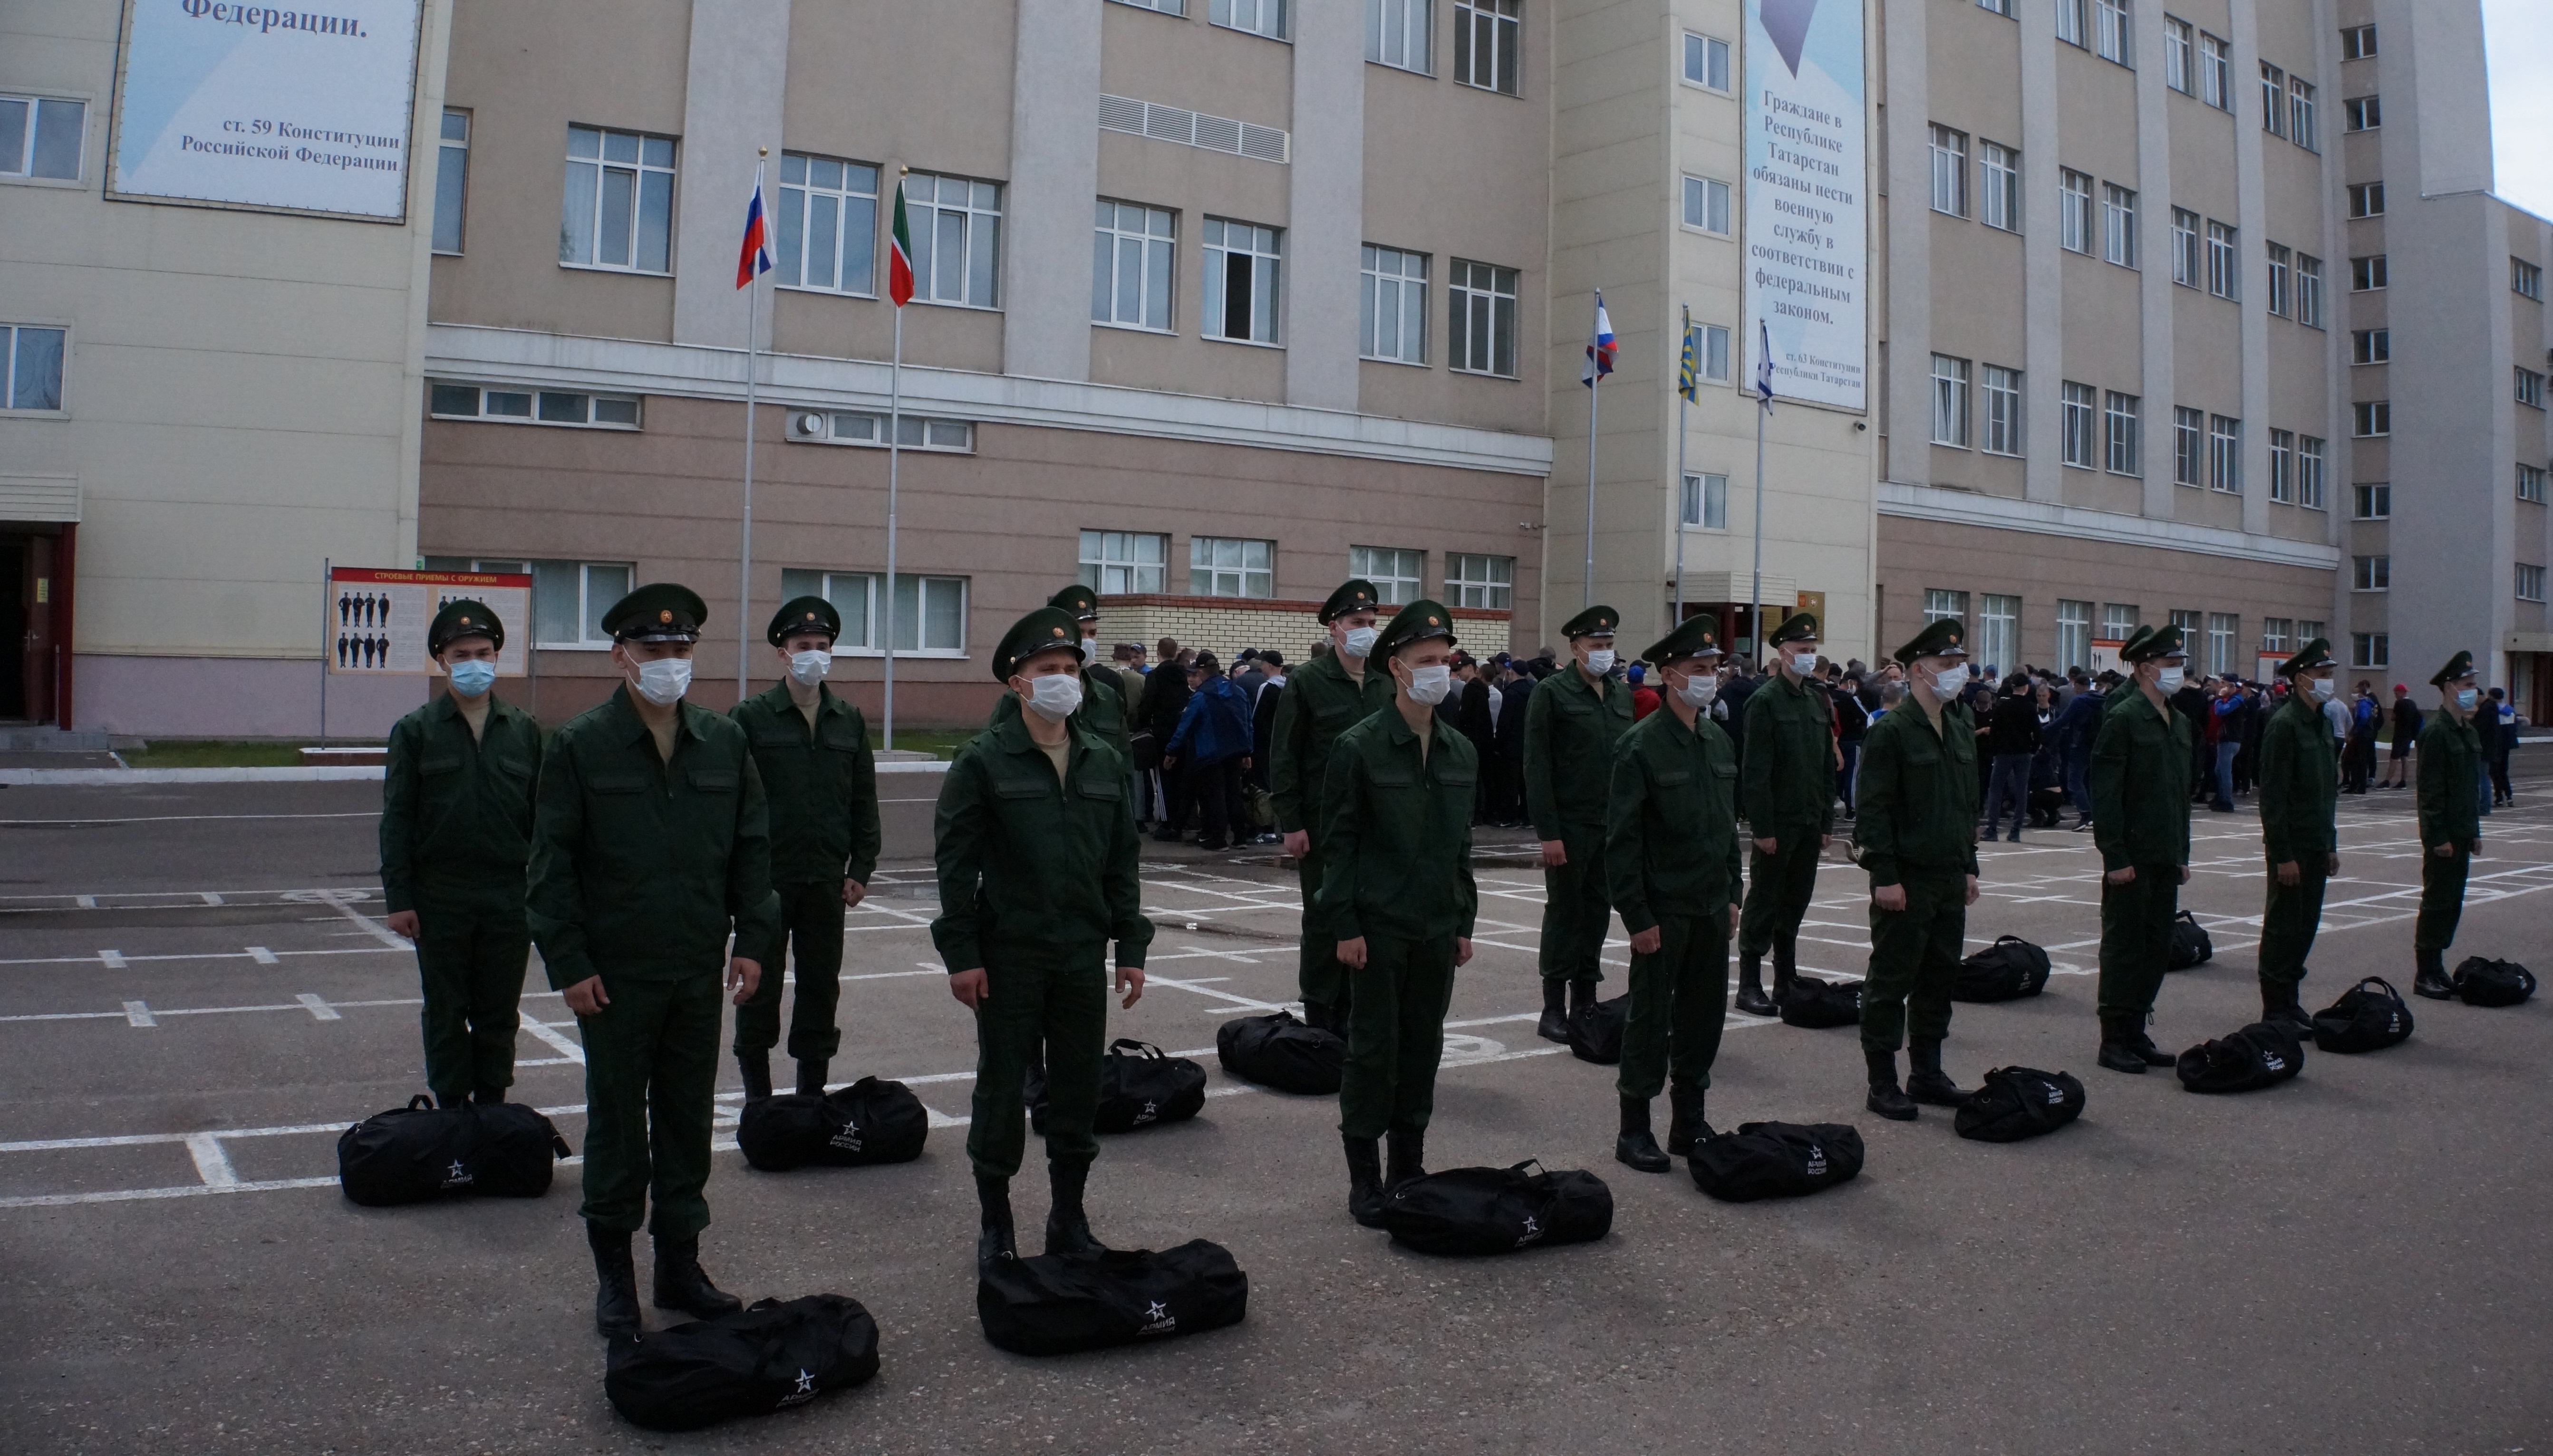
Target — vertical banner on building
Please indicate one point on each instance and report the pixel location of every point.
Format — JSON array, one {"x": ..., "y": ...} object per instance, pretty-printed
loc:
[
  {"x": 377, "y": 620},
  {"x": 1807, "y": 205}
]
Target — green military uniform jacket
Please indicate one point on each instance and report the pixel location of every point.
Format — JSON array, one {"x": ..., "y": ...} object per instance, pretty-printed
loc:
[
  {"x": 1396, "y": 832},
  {"x": 2141, "y": 782},
  {"x": 2299, "y": 781},
  {"x": 1570, "y": 730},
  {"x": 1320, "y": 702},
  {"x": 639, "y": 866},
  {"x": 457, "y": 811},
  {"x": 1671, "y": 843},
  {"x": 1103, "y": 708},
  {"x": 1036, "y": 871},
  {"x": 1916, "y": 797},
  {"x": 2450, "y": 758},
  {"x": 1789, "y": 758},
  {"x": 821, "y": 783}
]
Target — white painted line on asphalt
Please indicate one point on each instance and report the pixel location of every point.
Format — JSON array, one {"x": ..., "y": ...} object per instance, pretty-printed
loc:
[
  {"x": 92, "y": 777},
  {"x": 319, "y": 1010},
  {"x": 88, "y": 902},
  {"x": 111, "y": 960},
  {"x": 139, "y": 1014},
  {"x": 209, "y": 897},
  {"x": 212, "y": 1165},
  {"x": 378, "y": 930},
  {"x": 262, "y": 956},
  {"x": 166, "y": 818},
  {"x": 550, "y": 1034}
]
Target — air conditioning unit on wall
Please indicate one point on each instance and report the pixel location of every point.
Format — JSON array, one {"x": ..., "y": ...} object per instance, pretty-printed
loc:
[{"x": 807, "y": 424}]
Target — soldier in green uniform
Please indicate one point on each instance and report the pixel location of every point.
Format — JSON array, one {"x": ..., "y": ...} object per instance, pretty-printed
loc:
[
  {"x": 2141, "y": 779},
  {"x": 1104, "y": 699},
  {"x": 650, "y": 841},
  {"x": 1571, "y": 724},
  {"x": 812, "y": 751},
  {"x": 1323, "y": 699},
  {"x": 1035, "y": 845},
  {"x": 1785, "y": 790},
  {"x": 456, "y": 833},
  {"x": 1397, "y": 890},
  {"x": 2299, "y": 831},
  {"x": 1915, "y": 831},
  {"x": 2450, "y": 820},
  {"x": 1671, "y": 869}
]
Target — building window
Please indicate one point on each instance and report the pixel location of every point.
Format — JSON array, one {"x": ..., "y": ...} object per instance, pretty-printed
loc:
[
  {"x": 2110, "y": 35},
  {"x": 31, "y": 366},
  {"x": 2274, "y": 100},
  {"x": 2188, "y": 448},
  {"x": 1223, "y": 566},
  {"x": 2192, "y": 627},
  {"x": 2075, "y": 421},
  {"x": 2118, "y": 622},
  {"x": 2530, "y": 388},
  {"x": 1705, "y": 501},
  {"x": 2185, "y": 265},
  {"x": 2530, "y": 583},
  {"x": 2308, "y": 628},
  {"x": 2001, "y": 410},
  {"x": 2225, "y": 453},
  {"x": 1949, "y": 171},
  {"x": 2224, "y": 269},
  {"x": 2283, "y": 465},
  {"x": 2371, "y": 573},
  {"x": 856, "y": 427},
  {"x": 2310, "y": 464},
  {"x": 1398, "y": 33},
  {"x": 2122, "y": 439},
  {"x": 1999, "y": 631},
  {"x": 2215, "y": 71},
  {"x": 1481, "y": 319},
  {"x": 529, "y": 406},
  {"x": 1706, "y": 62},
  {"x": 2531, "y": 484},
  {"x": 619, "y": 210},
  {"x": 1398, "y": 574},
  {"x": 2070, "y": 27},
  {"x": 2358, "y": 43},
  {"x": 1165, "y": 7},
  {"x": 451, "y": 175},
  {"x": 1391, "y": 305},
  {"x": 2361, "y": 114},
  {"x": 41, "y": 136},
  {"x": 1999, "y": 7},
  {"x": 2367, "y": 274},
  {"x": 2371, "y": 649},
  {"x": 853, "y": 595},
  {"x": 1999, "y": 187},
  {"x": 2275, "y": 631},
  {"x": 1241, "y": 263},
  {"x": 1475, "y": 580},
  {"x": 1949, "y": 401},
  {"x": 1124, "y": 563},
  {"x": 2074, "y": 634},
  {"x": 1259, "y": 17},
  {"x": 1705, "y": 204},
  {"x": 2373, "y": 502},
  {"x": 827, "y": 224},
  {"x": 2224, "y": 628},
  {"x": 2371, "y": 346},
  {"x": 2371, "y": 418},
  {"x": 2309, "y": 290},
  {"x": 2119, "y": 225},
  {"x": 2179, "y": 41},
  {"x": 2074, "y": 209},
  {"x": 1131, "y": 251},
  {"x": 1485, "y": 33},
  {"x": 931, "y": 614},
  {"x": 2303, "y": 127},
  {"x": 1715, "y": 352},
  {"x": 2525, "y": 277},
  {"x": 569, "y": 598},
  {"x": 2281, "y": 261},
  {"x": 1941, "y": 606},
  {"x": 2367, "y": 199},
  {"x": 956, "y": 225}
]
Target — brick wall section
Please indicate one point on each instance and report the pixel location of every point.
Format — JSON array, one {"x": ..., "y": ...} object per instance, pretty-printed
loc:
[{"x": 1224, "y": 625}]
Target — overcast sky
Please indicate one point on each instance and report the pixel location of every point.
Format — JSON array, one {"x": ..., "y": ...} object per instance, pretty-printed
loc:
[{"x": 2518, "y": 34}]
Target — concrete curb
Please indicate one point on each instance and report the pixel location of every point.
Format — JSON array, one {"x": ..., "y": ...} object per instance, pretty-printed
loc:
[{"x": 89, "y": 778}]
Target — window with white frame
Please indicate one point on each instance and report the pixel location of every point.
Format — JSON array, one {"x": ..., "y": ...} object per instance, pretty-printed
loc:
[
  {"x": 2074, "y": 22},
  {"x": 853, "y": 595},
  {"x": 1949, "y": 171},
  {"x": 2361, "y": 114},
  {"x": 2186, "y": 266},
  {"x": 2531, "y": 387},
  {"x": 2530, "y": 583},
  {"x": 2367, "y": 274},
  {"x": 2366, "y": 200},
  {"x": 1259, "y": 17},
  {"x": 2215, "y": 71},
  {"x": 826, "y": 229},
  {"x": 2224, "y": 265},
  {"x": 2275, "y": 631},
  {"x": 2279, "y": 262},
  {"x": 2191, "y": 625},
  {"x": 1124, "y": 563},
  {"x": 2224, "y": 630},
  {"x": 1999, "y": 630},
  {"x": 2371, "y": 346},
  {"x": 957, "y": 227},
  {"x": 2371, "y": 418},
  {"x": 619, "y": 207},
  {"x": 930, "y": 615},
  {"x": 1132, "y": 248},
  {"x": 1472, "y": 579},
  {"x": 2179, "y": 42},
  {"x": 2074, "y": 634},
  {"x": 447, "y": 400},
  {"x": 2526, "y": 279},
  {"x": 2308, "y": 628},
  {"x": 1399, "y": 574},
  {"x": 569, "y": 598},
  {"x": 2274, "y": 100},
  {"x": 2111, "y": 39},
  {"x": 1165, "y": 7},
  {"x": 1481, "y": 319},
  {"x": 1391, "y": 305},
  {"x": 2309, "y": 472},
  {"x": 2122, "y": 434},
  {"x": 2371, "y": 573},
  {"x": 1999, "y": 7},
  {"x": 2358, "y": 43},
  {"x": 2304, "y": 125},
  {"x": 1998, "y": 186},
  {"x": 2225, "y": 453},
  {"x": 2188, "y": 446},
  {"x": 451, "y": 175},
  {"x": 41, "y": 136},
  {"x": 1398, "y": 33},
  {"x": 1949, "y": 401},
  {"x": 2118, "y": 225},
  {"x": 1713, "y": 360},
  {"x": 1705, "y": 501},
  {"x": 2371, "y": 649},
  {"x": 2078, "y": 425},
  {"x": 2118, "y": 621},
  {"x": 1229, "y": 566},
  {"x": 1706, "y": 62},
  {"x": 2283, "y": 465},
  {"x": 911, "y": 431},
  {"x": 1999, "y": 411},
  {"x": 2531, "y": 484},
  {"x": 1485, "y": 38},
  {"x": 1241, "y": 281},
  {"x": 2309, "y": 290},
  {"x": 2373, "y": 502},
  {"x": 31, "y": 366},
  {"x": 1705, "y": 204},
  {"x": 1944, "y": 605},
  {"x": 2075, "y": 210}
]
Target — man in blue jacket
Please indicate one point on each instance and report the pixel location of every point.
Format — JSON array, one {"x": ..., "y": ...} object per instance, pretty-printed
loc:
[
  {"x": 1210, "y": 748},
  {"x": 2073, "y": 729}
]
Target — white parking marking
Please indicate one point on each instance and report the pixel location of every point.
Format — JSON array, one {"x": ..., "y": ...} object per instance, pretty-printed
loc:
[
  {"x": 319, "y": 1010},
  {"x": 550, "y": 1034},
  {"x": 138, "y": 1014},
  {"x": 111, "y": 960},
  {"x": 262, "y": 956}
]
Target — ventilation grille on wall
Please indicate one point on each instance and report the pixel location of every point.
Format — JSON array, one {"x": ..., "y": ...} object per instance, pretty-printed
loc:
[{"x": 1193, "y": 129}]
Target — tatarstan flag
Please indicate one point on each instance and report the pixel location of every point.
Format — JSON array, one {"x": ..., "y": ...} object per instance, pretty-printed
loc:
[{"x": 899, "y": 258}]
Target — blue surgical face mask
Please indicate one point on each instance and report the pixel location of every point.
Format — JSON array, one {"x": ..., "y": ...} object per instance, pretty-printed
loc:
[
  {"x": 473, "y": 676},
  {"x": 2466, "y": 697}
]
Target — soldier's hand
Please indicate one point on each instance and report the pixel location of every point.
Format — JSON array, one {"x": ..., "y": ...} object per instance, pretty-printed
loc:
[
  {"x": 1891, "y": 898},
  {"x": 744, "y": 973},
  {"x": 2289, "y": 873},
  {"x": 1973, "y": 891},
  {"x": 1351, "y": 953},
  {"x": 2334, "y": 866},
  {"x": 1733, "y": 917},
  {"x": 1298, "y": 845},
  {"x": 2444, "y": 851},
  {"x": 969, "y": 987},
  {"x": 401, "y": 921},
  {"x": 586, "y": 997},
  {"x": 1647, "y": 942},
  {"x": 2124, "y": 876},
  {"x": 1129, "y": 979},
  {"x": 2185, "y": 874},
  {"x": 853, "y": 892},
  {"x": 1462, "y": 951},
  {"x": 1826, "y": 841},
  {"x": 2475, "y": 848},
  {"x": 1768, "y": 845},
  {"x": 1555, "y": 853}
]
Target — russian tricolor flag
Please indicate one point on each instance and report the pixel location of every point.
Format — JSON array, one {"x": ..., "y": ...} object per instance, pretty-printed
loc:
[
  {"x": 755, "y": 257},
  {"x": 1600, "y": 347}
]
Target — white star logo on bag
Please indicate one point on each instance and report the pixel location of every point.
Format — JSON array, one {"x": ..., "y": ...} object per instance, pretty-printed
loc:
[
  {"x": 806, "y": 1384},
  {"x": 1158, "y": 1310}
]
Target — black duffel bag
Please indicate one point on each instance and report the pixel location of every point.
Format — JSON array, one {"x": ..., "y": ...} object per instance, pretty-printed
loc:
[
  {"x": 1281, "y": 1052},
  {"x": 2016, "y": 1102},
  {"x": 1775, "y": 1160},
  {"x": 1498, "y": 1210},
  {"x": 758, "y": 1360},
  {"x": 870, "y": 1121},
  {"x": 419, "y": 1153},
  {"x": 2481, "y": 981},
  {"x": 1817, "y": 1004},
  {"x": 1138, "y": 1087},
  {"x": 2006, "y": 971},
  {"x": 1596, "y": 1030},
  {"x": 2369, "y": 1017},
  {"x": 1053, "y": 1305},
  {"x": 2189, "y": 942},
  {"x": 2262, "y": 1055}
]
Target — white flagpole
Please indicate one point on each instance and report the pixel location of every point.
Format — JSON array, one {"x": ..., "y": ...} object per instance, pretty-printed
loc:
[
  {"x": 894, "y": 454},
  {"x": 1683, "y": 402},
  {"x": 745, "y": 559},
  {"x": 1755, "y": 611},
  {"x": 1595, "y": 387}
]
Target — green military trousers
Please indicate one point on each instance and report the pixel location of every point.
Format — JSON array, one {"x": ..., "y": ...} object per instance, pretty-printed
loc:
[
  {"x": 2289, "y": 922},
  {"x": 1779, "y": 887},
  {"x": 811, "y": 920},
  {"x": 470, "y": 951},
  {"x": 2135, "y": 938},
  {"x": 1679, "y": 1004},
  {"x": 1396, "y": 1037},
  {"x": 2442, "y": 898},
  {"x": 651, "y": 1058},
  {"x": 1062, "y": 1012},
  {"x": 1914, "y": 961},
  {"x": 1575, "y": 909},
  {"x": 1323, "y": 978}
]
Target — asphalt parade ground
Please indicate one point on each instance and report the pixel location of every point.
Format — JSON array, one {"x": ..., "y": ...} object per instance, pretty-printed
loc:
[{"x": 197, "y": 997}]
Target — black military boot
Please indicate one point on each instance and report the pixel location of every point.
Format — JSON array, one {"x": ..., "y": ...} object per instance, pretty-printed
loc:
[
  {"x": 1068, "y": 1227},
  {"x": 1926, "y": 1081},
  {"x": 2119, "y": 1050},
  {"x": 1364, "y": 1179},
  {"x": 1887, "y": 1098},
  {"x": 810, "y": 1076},
  {"x": 1582, "y": 994},
  {"x": 1685, "y": 1128},
  {"x": 1316, "y": 1015},
  {"x": 2430, "y": 978},
  {"x": 1636, "y": 1146},
  {"x": 755, "y": 1068},
  {"x": 1750, "y": 987},
  {"x": 2278, "y": 1007},
  {"x": 997, "y": 1243},
  {"x": 681, "y": 1283},
  {"x": 1554, "y": 1026},
  {"x": 1786, "y": 965},
  {"x": 615, "y": 1295},
  {"x": 1407, "y": 1148},
  {"x": 2143, "y": 1041}
]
